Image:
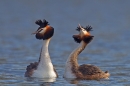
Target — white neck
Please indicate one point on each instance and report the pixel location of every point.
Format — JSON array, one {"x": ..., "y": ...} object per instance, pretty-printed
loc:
[
  {"x": 44, "y": 59},
  {"x": 73, "y": 56},
  {"x": 45, "y": 67},
  {"x": 72, "y": 60}
]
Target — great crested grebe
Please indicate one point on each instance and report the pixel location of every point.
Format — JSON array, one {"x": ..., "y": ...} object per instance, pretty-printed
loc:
[
  {"x": 44, "y": 67},
  {"x": 86, "y": 71}
]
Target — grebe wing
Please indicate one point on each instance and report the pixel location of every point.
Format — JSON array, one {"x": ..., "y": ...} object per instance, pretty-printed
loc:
[
  {"x": 55, "y": 71},
  {"x": 87, "y": 69},
  {"x": 30, "y": 68}
]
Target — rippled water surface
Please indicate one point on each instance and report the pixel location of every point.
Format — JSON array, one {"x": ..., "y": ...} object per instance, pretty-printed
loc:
[{"x": 109, "y": 50}]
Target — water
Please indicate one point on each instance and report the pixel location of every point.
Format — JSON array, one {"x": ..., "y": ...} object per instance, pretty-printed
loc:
[{"x": 109, "y": 50}]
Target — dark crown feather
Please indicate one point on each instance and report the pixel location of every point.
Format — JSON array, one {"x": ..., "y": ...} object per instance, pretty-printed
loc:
[
  {"x": 42, "y": 23},
  {"x": 87, "y": 28},
  {"x": 78, "y": 28}
]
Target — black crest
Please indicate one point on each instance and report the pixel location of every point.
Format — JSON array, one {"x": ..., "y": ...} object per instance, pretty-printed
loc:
[
  {"x": 41, "y": 23},
  {"x": 48, "y": 31},
  {"x": 78, "y": 28},
  {"x": 87, "y": 28}
]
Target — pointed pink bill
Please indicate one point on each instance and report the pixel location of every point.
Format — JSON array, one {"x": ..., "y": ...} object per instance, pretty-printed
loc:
[
  {"x": 80, "y": 26},
  {"x": 35, "y": 32}
]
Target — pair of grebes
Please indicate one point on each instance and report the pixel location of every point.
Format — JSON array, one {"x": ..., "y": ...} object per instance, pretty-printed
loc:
[{"x": 44, "y": 67}]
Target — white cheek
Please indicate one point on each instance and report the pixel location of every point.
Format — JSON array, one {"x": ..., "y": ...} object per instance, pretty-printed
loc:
[
  {"x": 43, "y": 31},
  {"x": 85, "y": 32}
]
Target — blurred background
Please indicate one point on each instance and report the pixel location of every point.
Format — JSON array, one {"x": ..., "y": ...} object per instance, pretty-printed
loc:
[{"x": 109, "y": 50}]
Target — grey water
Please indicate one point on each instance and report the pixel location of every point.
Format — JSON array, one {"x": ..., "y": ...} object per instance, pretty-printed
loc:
[{"x": 110, "y": 48}]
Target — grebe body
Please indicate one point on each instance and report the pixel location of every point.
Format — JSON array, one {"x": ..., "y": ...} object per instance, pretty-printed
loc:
[
  {"x": 86, "y": 71},
  {"x": 44, "y": 67}
]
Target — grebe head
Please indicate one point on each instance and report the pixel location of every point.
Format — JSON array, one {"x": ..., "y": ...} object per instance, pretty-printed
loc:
[
  {"x": 44, "y": 31},
  {"x": 84, "y": 34},
  {"x": 84, "y": 31}
]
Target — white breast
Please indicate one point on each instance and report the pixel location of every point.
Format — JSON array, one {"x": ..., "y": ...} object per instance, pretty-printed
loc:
[
  {"x": 45, "y": 67},
  {"x": 68, "y": 72},
  {"x": 44, "y": 72}
]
